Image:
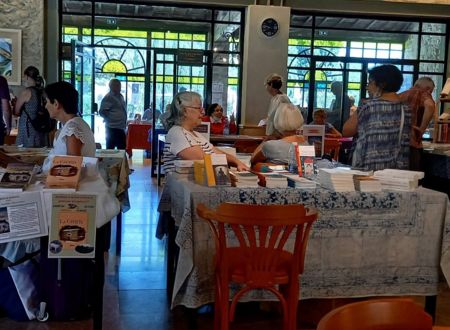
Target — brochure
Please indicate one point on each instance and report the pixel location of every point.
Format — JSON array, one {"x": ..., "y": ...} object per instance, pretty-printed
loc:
[
  {"x": 72, "y": 226},
  {"x": 22, "y": 216}
]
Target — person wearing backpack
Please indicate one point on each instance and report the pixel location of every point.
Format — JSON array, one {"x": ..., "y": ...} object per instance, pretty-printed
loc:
[{"x": 29, "y": 106}]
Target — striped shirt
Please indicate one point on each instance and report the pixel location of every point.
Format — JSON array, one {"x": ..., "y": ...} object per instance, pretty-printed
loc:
[
  {"x": 380, "y": 143},
  {"x": 178, "y": 139}
]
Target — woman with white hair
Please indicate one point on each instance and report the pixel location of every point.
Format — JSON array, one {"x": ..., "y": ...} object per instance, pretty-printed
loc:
[
  {"x": 273, "y": 83},
  {"x": 182, "y": 142},
  {"x": 287, "y": 121}
]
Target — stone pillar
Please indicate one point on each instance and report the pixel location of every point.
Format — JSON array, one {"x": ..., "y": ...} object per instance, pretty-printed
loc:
[{"x": 263, "y": 55}]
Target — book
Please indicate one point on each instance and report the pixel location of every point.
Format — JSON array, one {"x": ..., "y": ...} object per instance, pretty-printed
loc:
[
  {"x": 16, "y": 177},
  {"x": 244, "y": 179},
  {"x": 184, "y": 166},
  {"x": 64, "y": 172},
  {"x": 306, "y": 159},
  {"x": 72, "y": 226},
  {"x": 199, "y": 172},
  {"x": 216, "y": 169},
  {"x": 366, "y": 183}
]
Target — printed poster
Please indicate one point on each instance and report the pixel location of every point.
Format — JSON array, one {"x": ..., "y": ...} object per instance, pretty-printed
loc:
[{"x": 72, "y": 226}]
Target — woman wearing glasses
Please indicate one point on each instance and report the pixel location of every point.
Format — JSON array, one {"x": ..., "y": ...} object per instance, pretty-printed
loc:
[
  {"x": 182, "y": 142},
  {"x": 382, "y": 124}
]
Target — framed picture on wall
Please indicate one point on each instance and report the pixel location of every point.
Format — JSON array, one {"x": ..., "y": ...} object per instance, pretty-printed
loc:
[{"x": 11, "y": 55}]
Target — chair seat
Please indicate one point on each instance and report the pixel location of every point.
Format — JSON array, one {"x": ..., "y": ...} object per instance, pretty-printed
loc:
[{"x": 242, "y": 272}]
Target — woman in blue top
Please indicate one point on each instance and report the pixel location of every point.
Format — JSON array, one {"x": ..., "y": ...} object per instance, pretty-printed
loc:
[{"x": 383, "y": 123}]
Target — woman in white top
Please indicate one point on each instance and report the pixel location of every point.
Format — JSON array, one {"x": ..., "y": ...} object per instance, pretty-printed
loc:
[
  {"x": 273, "y": 85},
  {"x": 76, "y": 137},
  {"x": 182, "y": 142}
]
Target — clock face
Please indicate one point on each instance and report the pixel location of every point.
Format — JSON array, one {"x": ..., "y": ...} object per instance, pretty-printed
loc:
[{"x": 269, "y": 27}]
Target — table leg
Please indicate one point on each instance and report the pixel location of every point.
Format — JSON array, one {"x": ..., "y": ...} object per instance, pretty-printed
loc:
[
  {"x": 99, "y": 278},
  {"x": 171, "y": 257},
  {"x": 430, "y": 306},
  {"x": 129, "y": 152},
  {"x": 119, "y": 233},
  {"x": 158, "y": 170}
]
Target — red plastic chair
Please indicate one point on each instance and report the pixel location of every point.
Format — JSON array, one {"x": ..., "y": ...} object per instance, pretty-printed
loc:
[
  {"x": 379, "y": 314},
  {"x": 255, "y": 256}
]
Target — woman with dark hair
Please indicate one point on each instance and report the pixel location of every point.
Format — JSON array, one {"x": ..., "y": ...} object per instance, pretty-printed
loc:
[
  {"x": 29, "y": 103},
  {"x": 75, "y": 137},
  {"x": 382, "y": 124},
  {"x": 216, "y": 118}
]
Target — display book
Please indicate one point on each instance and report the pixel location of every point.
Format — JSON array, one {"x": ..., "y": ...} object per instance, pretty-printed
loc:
[
  {"x": 17, "y": 176},
  {"x": 212, "y": 170},
  {"x": 306, "y": 161},
  {"x": 64, "y": 173}
]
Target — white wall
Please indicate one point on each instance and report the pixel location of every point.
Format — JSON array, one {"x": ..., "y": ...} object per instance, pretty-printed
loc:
[{"x": 262, "y": 56}]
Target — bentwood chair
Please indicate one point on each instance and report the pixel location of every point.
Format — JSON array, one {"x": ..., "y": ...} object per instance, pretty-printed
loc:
[
  {"x": 379, "y": 314},
  {"x": 251, "y": 251}
]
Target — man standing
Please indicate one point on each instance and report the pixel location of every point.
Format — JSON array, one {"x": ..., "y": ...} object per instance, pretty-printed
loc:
[
  {"x": 422, "y": 108},
  {"x": 114, "y": 112},
  {"x": 341, "y": 103},
  {"x": 5, "y": 108}
]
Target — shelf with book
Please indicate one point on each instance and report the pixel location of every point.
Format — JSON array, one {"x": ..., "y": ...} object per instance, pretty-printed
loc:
[{"x": 441, "y": 132}]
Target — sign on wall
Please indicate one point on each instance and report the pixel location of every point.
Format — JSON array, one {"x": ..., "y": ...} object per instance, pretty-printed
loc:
[{"x": 11, "y": 55}]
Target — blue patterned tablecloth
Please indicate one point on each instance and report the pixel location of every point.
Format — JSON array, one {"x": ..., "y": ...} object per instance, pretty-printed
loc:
[{"x": 363, "y": 244}]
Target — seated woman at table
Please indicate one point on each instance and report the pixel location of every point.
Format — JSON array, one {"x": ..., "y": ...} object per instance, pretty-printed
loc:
[
  {"x": 382, "y": 124},
  {"x": 182, "y": 142},
  {"x": 216, "y": 118},
  {"x": 287, "y": 121},
  {"x": 320, "y": 118},
  {"x": 75, "y": 138}
]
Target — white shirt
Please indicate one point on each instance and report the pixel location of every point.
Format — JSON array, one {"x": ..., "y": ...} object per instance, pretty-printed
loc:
[
  {"x": 178, "y": 139},
  {"x": 78, "y": 127}
]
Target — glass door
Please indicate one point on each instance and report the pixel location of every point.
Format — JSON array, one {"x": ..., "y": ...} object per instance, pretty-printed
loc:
[
  {"x": 82, "y": 78},
  {"x": 176, "y": 71}
]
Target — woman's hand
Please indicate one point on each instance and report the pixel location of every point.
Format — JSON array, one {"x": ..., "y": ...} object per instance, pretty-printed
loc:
[{"x": 241, "y": 166}]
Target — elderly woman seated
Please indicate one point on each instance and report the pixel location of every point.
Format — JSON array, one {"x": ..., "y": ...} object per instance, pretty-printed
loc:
[
  {"x": 182, "y": 142},
  {"x": 287, "y": 121}
]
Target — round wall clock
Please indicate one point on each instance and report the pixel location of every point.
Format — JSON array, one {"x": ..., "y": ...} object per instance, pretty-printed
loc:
[{"x": 269, "y": 27}]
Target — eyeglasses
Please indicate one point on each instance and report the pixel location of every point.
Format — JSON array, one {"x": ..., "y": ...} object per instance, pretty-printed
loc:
[{"x": 218, "y": 110}]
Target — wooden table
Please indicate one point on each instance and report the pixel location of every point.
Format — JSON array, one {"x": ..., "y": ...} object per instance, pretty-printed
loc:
[{"x": 242, "y": 143}]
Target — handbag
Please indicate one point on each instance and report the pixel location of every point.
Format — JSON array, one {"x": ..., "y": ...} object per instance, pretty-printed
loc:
[{"x": 42, "y": 122}]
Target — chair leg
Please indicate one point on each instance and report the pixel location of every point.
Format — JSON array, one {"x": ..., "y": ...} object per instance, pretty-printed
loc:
[
  {"x": 217, "y": 306},
  {"x": 292, "y": 300}
]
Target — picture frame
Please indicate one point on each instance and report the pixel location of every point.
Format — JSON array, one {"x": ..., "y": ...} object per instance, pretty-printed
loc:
[{"x": 11, "y": 55}]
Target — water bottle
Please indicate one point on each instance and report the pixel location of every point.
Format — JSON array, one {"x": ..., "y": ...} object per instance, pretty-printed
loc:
[
  {"x": 292, "y": 165},
  {"x": 226, "y": 128}
]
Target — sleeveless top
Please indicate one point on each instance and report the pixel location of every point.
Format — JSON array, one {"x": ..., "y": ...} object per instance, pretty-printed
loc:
[{"x": 27, "y": 136}]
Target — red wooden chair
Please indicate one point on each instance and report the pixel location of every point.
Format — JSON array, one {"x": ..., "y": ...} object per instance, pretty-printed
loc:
[
  {"x": 379, "y": 314},
  {"x": 256, "y": 258}
]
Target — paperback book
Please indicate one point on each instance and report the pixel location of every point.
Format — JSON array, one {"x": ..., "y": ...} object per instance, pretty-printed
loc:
[
  {"x": 64, "y": 172},
  {"x": 216, "y": 169},
  {"x": 306, "y": 159}
]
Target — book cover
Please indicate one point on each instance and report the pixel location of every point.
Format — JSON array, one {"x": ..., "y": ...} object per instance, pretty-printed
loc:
[
  {"x": 216, "y": 168},
  {"x": 15, "y": 180},
  {"x": 64, "y": 172},
  {"x": 306, "y": 161},
  {"x": 72, "y": 226}
]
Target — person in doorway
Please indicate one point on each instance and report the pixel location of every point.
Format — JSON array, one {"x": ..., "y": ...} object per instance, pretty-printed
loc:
[
  {"x": 114, "y": 112},
  {"x": 5, "y": 107},
  {"x": 340, "y": 103},
  {"x": 27, "y": 107},
  {"x": 422, "y": 108}
]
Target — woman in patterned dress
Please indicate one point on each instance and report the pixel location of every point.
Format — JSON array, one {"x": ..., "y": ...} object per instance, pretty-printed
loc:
[
  {"x": 27, "y": 106},
  {"x": 383, "y": 124}
]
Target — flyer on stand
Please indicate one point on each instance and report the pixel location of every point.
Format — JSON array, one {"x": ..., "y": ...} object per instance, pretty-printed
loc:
[
  {"x": 22, "y": 216},
  {"x": 72, "y": 226}
]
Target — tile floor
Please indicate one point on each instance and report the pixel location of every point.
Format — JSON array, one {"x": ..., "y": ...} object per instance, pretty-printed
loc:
[{"x": 134, "y": 293}]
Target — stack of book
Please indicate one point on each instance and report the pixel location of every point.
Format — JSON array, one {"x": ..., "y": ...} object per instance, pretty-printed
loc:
[
  {"x": 366, "y": 183},
  {"x": 298, "y": 182},
  {"x": 275, "y": 180},
  {"x": 336, "y": 179},
  {"x": 403, "y": 180},
  {"x": 184, "y": 166},
  {"x": 244, "y": 179}
]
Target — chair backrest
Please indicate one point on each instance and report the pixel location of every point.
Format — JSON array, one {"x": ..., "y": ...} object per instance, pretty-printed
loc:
[
  {"x": 380, "y": 314},
  {"x": 260, "y": 232},
  {"x": 332, "y": 147}
]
